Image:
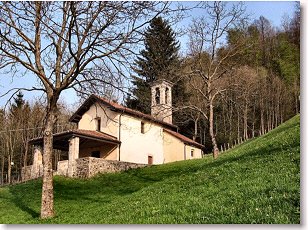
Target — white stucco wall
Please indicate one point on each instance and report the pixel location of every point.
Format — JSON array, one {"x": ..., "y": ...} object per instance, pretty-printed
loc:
[
  {"x": 176, "y": 150},
  {"x": 197, "y": 152},
  {"x": 109, "y": 119},
  {"x": 137, "y": 146},
  {"x": 173, "y": 148}
]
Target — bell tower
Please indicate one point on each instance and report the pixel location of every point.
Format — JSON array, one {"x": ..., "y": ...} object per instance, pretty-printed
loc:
[{"x": 161, "y": 103}]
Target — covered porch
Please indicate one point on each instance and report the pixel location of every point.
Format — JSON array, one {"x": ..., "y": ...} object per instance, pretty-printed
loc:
[{"x": 78, "y": 144}]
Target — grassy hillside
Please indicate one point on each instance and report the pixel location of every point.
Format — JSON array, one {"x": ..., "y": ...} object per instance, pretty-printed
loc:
[{"x": 257, "y": 182}]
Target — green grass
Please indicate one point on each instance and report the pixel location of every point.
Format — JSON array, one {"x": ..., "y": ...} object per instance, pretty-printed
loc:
[{"x": 256, "y": 182}]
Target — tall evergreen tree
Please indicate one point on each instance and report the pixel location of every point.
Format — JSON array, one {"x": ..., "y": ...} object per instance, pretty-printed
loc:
[
  {"x": 158, "y": 60},
  {"x": 19, "y": 101}
]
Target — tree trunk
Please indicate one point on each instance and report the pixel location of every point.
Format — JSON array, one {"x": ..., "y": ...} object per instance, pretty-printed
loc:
[
  {"x": 272, "y": 117},
  {"x": 230, "y": 125},
  {"x": 224, "y": 121},
  {"x": 245, "y": 129},
  {"x": 196, "y": 128},
  {"x": 253, "y": 119},
  {"x": 281, "y": 114},
  {"x": 238, "y": 124},
  {"x": 26, "y": 153},
  {"x": 47, "y": 205},
  {"x": 277, "y": 112},
  {"x": 9, "y": 169},
  {"x": 211, "y": 121},
  {"x": 2, "y": 170},
  {"x": 262, "y": 124}
]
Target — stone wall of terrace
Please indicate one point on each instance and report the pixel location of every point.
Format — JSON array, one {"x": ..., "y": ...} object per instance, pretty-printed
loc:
[
  {"x": 90, "y": 166},
  {"x": 62, "y": 168},
  {"x": 31, "y": 172},
  {"x": 82, "y": 168}
]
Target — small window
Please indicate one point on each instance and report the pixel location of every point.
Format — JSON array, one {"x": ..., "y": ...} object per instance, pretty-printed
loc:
[
  {"x": 142, "y": 127},
  {"x": 96, "y": 154},
  {"x": 150, "y": 160},
  {"x": 98, "y": 124},
  {"x": 157, "y": 96},
  {"x": 192, "y": 152}
]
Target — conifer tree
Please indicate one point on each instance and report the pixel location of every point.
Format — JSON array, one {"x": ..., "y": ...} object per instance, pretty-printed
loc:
[
  {"x": 19, "y": 101},
  {"x": 158, "y": 60}
]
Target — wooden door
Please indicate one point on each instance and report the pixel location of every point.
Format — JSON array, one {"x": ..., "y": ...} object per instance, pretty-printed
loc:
[{"x": 150, "y": 160}]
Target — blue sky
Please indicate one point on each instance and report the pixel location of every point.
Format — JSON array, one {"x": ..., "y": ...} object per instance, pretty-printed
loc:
[{"x": 272, "y": 10}]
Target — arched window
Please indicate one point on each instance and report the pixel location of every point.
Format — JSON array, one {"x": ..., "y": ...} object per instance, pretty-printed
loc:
[
  {"x": 157, "y": 96},
  {"x": 166, "y": 95}
]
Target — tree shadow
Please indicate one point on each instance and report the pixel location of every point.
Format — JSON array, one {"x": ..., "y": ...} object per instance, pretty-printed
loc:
[{"x": 19, "y": 201}]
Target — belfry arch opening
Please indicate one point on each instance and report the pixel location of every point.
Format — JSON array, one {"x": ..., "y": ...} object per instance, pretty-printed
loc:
[
  {"x": 157, "y": 96},
  {"x": 166, "y": 95}
]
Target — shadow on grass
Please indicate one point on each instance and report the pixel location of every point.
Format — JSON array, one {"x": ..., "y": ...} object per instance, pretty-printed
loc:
[
  {"x": 19, "y": 201},
  {"x": 98, "y": 188}
]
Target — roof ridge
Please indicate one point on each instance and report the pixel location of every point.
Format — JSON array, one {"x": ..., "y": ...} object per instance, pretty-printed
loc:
[{"x": 119, "y": 106}]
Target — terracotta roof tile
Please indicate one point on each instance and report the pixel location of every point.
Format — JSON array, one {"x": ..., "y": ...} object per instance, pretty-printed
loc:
[
  {"x": 92, "y": 133},
  {"x": 77, "y": 115},
  {"x": 183, "y": 138},
  {"x": 81, "y": 133}
]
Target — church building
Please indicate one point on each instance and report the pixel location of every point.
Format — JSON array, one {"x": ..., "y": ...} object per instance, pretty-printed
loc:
[{"x": 112, "y": 136}]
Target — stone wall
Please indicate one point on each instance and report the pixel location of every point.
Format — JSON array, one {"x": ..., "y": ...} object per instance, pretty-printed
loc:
[
  {"x": 62, "y": 168},
  {"x": 83, "y": 168},
  {"x": 26, "y": 173},
  {"x": 90, "y": 166},
  {"x": 30, "y": 172}
]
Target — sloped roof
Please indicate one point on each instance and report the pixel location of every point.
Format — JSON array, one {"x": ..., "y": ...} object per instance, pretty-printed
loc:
[
  {"x": 90, "y": 134},
  {"x": 183, "y": 138},
  {"x": 169, "y": 128},
  {"x": 115, "y": 107}
]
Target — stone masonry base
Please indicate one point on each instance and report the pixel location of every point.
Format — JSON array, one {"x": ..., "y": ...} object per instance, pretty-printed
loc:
[
  {"x": 82, "y": 168},
  {"x": 90, "y": 166}
]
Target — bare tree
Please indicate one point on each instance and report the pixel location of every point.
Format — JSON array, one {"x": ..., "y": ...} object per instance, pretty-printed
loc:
[
  {"x": 59, "y": 42},
  {"x": 245, "y": 86},
  {"x": 207, "y": 37}
]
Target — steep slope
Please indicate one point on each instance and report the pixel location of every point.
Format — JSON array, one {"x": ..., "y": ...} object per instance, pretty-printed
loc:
[{"x": 256, "y": 182}]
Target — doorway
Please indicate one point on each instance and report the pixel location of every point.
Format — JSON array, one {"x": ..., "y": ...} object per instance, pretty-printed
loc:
[
  {"x": 96, "y": 154},
  {"x": 150, "y": 160}
]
